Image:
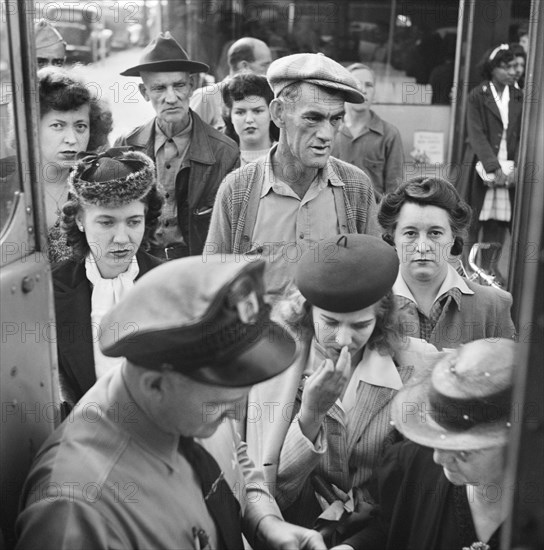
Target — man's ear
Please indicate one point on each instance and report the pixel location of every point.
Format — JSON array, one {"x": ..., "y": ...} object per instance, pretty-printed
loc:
[
  {"x": 277, "y": 112},
  {"x": 192, "y": 83},
  {"x": 152, "y": 384},
  {"x": 143, "y": 91}
]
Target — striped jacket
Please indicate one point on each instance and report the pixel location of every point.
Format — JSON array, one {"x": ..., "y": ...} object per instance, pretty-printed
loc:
[
  {"x": 347, "y": 457},
  {"x": 237, "y": 202}
]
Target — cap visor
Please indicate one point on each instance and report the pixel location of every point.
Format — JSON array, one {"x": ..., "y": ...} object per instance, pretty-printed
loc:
[{"x": 271, "y": 354}]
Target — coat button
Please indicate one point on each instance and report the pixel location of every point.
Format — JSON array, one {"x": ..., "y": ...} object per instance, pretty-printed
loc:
[
  {"x": 245, "y": 238},
  {"x": 168, "y": 166}
]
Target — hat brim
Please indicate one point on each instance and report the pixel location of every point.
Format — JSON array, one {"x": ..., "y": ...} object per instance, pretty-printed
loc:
[
  {"x": 351, "y": 95},
  {"x": 271, "y": 354},
  {"x": 410, "y": 414},
  {"x": 169, "y": 65}
]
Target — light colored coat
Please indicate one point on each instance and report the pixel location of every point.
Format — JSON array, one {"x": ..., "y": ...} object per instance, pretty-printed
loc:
[{"x": 347, "y": 459}]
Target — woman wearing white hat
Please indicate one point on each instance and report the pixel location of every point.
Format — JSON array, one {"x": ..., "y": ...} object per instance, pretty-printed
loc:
[
  {"x": 332, "y": 424},
  {"x": 446, "y": 488}
]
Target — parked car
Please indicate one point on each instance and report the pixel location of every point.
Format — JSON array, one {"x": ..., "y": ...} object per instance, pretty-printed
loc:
[{"x": 83, "y": 29}]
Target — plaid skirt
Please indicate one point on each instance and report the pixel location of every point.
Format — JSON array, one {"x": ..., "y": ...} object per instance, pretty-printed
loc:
[{"x": 496, "y": 205}]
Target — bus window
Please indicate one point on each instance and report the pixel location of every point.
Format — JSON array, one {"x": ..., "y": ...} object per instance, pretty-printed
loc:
[{"x": 9, "y": 178}]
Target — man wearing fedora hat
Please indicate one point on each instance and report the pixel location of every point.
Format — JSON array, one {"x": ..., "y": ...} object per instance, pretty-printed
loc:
[
  {"x": 283, "y": 204},
  {"x": 447, "y": 487},
  {"x": 151, "y": 456},
  {"x": 191, "y": 157}
]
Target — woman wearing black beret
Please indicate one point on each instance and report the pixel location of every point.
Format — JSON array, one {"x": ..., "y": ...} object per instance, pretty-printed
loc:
[{"x": 330, "y": 424}]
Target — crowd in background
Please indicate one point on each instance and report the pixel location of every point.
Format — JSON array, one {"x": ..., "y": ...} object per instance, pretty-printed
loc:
[{"x": 284, "y": 162}]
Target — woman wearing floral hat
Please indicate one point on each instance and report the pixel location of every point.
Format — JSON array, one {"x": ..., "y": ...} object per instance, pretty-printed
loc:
[
  {"x": 446, "y": 487},
  {"x": 319, "y": 446},
  {"x": 112, "y": 209}
]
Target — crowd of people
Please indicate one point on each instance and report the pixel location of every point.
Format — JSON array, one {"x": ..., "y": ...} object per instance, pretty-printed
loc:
[{"x": 264, "y": 318}]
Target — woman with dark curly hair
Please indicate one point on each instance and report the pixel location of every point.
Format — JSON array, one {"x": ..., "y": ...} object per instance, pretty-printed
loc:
[
  {"x": 72, "y": 120},
  {"x": 332, "y": 424},
  {"x": 247, "y": 97},
  {"x": 426, "y": 220},
  {"x": 493, "y": 135},
  {"x": 113, "y": 207}
]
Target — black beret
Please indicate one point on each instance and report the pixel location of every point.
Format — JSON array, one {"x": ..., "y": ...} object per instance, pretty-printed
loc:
[
  {"x": 347, "y": 272},
  {"x": 205, "y": 318}
]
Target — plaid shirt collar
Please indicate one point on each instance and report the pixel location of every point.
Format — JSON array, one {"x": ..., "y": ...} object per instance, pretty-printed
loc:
[
  {"x": 453, "y": 285},
  {"x": 325, "y": 176}
]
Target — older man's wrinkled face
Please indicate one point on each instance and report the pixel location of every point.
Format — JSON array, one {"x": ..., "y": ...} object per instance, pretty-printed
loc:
[
  {"x": 169, "y": 94},
  {"x": 311, "y": 118}
]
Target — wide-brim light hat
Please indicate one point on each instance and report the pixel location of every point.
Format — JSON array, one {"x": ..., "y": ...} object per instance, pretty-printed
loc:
[
  {"x": 164, "y": 54},
  {"x": 464, "y": 402}
]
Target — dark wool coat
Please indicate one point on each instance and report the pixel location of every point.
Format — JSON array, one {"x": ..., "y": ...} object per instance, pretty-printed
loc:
[
  {"x": 484, "y": 132},
  {"x": 211, "y": 156},
  {"x": 72, "y": 292}
]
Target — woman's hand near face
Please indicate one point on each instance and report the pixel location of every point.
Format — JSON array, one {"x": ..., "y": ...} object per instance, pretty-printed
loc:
[{"x": 321, "y": 390}]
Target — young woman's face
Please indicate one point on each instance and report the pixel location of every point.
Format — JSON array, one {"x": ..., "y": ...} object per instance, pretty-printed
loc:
[
  {"x": 423, "y": 239},
  {"x": 520, "y": 67},
  {"x": 251, "y": 120},
  {"x": 505, "y": 73},
  {"x": 114, "y": 235},
  {"x": 64, "y": 134},
  {"x": 336, "y": 330}
]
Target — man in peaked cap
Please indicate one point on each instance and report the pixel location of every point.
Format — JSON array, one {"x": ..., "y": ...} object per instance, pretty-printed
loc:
[
  {"x": 125, "y": 470},
  {"x": 50, "y": 46},
  {"x": 283, "y": 204},
  {"x": 191, "y": 157}
]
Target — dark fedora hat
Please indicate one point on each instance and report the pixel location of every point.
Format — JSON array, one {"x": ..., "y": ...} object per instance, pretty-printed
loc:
[{"x": 164, "y": 54}]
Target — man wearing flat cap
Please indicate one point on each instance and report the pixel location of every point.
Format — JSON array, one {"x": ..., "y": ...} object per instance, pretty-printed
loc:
[
  {"x": 150, "y": 457},
  {"x": 191, "y": 157},
  {"x": 285, "y": 203}
]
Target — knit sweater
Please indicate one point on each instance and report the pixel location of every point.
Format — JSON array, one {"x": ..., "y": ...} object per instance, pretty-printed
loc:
[{"x": 229, "y": 232}]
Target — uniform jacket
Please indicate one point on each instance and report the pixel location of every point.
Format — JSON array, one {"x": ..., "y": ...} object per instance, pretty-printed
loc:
[
  {"x": 378, "y": 152},
  {"x": 233, "y": 217},
  {"x": 108, "y": 479},
  {"x": 271, "y": 433},
  {"x": 484, "y": 314},
  {"x": 211, "y": 156},
  {"x": 484, "y": 132},
  {"x": 73, "y": 321}
]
